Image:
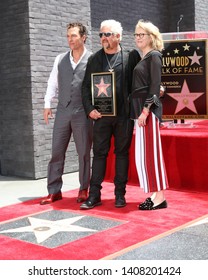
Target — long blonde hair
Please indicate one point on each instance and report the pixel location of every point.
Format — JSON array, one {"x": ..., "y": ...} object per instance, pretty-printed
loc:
[{"x": 150, "y": 28}]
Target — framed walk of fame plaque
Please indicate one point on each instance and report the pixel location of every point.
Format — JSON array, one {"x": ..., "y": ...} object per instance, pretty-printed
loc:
[
  {"x": 184, "y": 74},
  {"x": 103, "y": 93}
]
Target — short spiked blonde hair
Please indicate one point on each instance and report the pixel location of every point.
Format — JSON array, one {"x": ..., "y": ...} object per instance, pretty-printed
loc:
[{"x": 114, "y": 25}]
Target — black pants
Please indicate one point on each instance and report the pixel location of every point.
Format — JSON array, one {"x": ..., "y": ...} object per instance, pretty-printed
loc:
[{"x": 103, "y": 130}]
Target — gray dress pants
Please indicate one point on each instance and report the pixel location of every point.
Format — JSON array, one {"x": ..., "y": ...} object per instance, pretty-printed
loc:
[{"x": 70, "y": 121}]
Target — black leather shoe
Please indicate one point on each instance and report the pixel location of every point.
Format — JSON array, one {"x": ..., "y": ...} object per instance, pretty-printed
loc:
[
  {"x": 90, "y": 203},
  {"x": 51, "y": 198},
  {"x": 149, "y": 205},
  {"x": 120, "y": 201}
]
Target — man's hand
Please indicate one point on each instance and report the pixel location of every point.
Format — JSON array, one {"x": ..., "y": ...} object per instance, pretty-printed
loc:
[
  {"x": 47, "y": 113},
  {"x": 94, "y": 114}
]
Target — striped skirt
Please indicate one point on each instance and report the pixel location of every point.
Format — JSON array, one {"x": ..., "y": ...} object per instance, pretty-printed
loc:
[{"x": 149, "y": 157}]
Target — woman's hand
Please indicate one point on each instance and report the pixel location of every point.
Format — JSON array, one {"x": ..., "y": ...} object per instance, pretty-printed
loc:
[{"x": 143, "y": 117}]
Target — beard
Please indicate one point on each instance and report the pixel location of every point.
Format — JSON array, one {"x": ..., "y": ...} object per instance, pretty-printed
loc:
[{"x": 106, "y": 45}]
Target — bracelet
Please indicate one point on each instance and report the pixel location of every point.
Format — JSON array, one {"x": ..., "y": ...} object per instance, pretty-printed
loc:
[{"x": 147, "y": 106}]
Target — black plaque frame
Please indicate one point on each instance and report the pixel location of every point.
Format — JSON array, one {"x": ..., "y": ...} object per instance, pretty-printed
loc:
[{"x": 103, "y": 93}]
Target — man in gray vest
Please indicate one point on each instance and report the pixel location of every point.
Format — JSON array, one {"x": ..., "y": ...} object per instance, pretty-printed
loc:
[{"x": 66, "y": 80}]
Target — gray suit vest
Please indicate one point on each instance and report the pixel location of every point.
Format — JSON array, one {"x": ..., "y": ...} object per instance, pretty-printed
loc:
[{"x": 70, "y": 81}]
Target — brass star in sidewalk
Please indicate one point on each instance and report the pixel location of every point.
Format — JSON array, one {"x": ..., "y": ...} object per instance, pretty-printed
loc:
[{"x": 43, "y": 229}]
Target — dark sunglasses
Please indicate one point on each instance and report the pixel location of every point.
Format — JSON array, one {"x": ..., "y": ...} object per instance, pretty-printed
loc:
[{"x": 107, "y": 34}]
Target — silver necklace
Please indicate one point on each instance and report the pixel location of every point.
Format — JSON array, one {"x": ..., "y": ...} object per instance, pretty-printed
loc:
[{"x": 111, "y": 67}]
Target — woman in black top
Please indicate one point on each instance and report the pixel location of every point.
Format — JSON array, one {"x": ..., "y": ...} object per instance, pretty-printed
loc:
[{"x": 145, "y": 110}]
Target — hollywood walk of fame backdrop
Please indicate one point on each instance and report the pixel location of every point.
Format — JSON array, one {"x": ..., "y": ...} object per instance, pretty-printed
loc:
[{"x": 184, "y": 74}]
